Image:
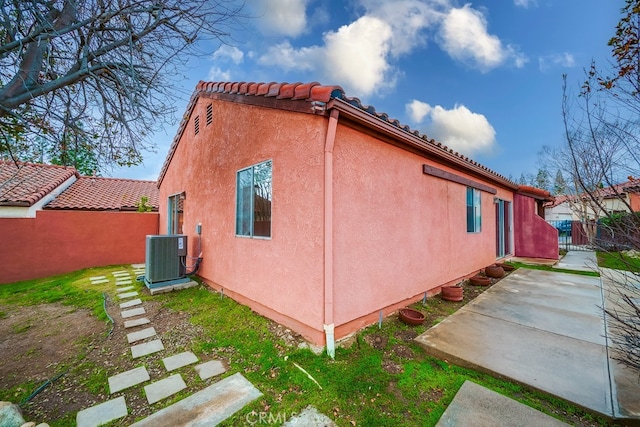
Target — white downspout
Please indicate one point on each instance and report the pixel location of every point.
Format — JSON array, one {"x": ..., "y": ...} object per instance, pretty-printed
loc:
[{"x": 328, "y": 233}]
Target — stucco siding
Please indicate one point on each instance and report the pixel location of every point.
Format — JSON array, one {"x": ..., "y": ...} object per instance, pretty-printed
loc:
[
  {"x": 283, "y": 274},
  {"x": 399, "y": 232}
]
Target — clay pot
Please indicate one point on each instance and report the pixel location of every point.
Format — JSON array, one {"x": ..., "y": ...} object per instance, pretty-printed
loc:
[
  {"x": 507, "y": 267},
  {"x": 494, "y": 271},
  {"x": 451, "y": 293},
  {"x": 411, "y": 316},
  {"x": 480, "y": 281}
]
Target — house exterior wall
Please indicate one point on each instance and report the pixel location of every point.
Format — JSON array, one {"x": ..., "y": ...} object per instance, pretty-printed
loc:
[
  {"x": 560, "y": 212},
  {"x": 399, "y": 232},
  {"x": 280, "y": 277},
  {"x": 56, "y": 242},
  {"x": 535, "y": 237}
]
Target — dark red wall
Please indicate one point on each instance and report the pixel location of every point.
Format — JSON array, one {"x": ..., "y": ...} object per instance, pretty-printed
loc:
[
  {"x": 533, "y": 236},
  {"x": 56, "y": 242}
]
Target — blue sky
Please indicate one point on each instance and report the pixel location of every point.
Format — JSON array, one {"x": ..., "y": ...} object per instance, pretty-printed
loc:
[{"x": 483, "y": 77}]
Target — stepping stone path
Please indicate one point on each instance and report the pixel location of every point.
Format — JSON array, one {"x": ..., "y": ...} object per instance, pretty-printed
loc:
[{"x": 227, "y": 396}]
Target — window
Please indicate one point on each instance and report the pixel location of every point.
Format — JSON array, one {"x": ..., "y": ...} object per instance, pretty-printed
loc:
[
  {"x": 209, "y": 114},
  {"x": 474, "y": 217},
  {"x": 196, "y": 125},
  {"x": 176, "y": 213},
  {"x": 253, "y": 201}
]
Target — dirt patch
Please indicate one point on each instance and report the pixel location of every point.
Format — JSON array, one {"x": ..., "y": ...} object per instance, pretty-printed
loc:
[
  {"x": 38, "y": 343},
  {"x": 46, "y": 338},
  {"x": 379, "y": 342},
  {"x": 392, "y": 367}
]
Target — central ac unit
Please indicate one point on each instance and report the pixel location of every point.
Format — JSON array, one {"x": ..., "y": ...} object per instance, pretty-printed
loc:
[{"x": 165, "y": 258}]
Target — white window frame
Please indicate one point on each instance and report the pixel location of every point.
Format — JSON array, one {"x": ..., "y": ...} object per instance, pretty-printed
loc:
[{"x": 245, "y": 220}]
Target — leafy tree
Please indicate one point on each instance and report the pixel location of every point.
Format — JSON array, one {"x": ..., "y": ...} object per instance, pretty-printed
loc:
[{"x": 110, "y": 65}]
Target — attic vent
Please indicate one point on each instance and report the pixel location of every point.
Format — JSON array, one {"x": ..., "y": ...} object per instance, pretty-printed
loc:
[
  {"x": 209, "y": 114},
  {"x": 196, "y": 125}
]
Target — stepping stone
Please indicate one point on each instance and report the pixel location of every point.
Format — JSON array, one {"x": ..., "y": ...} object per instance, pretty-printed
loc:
[
  {"x": 120, "y": 273},
  {"x": 210, "y": 369},
  {"x": 128, "y": 379},
  {"x": 208, "y": 407},
  {"x": 133, "y": 312},
  {"x": 146, "y": 348},
  {"x": 136, "y": 322},
  {"x": 140, "y": 335},
  {"x": 137, "y": 266},
  {"x": 164, "y": 388},
  {"x": 131, "y": 303},
  {"x": 127, "y": 295},
  {"x": 123, "y": 282},
  {"x": 309, "y": 416},
  {"x": 179, "y": 360},
  {"x": 102, "y": 413},
  {"x": 126, "y": 288},
  {"x": 99, "y": 282},
  {"x": 97, "y": 278}
]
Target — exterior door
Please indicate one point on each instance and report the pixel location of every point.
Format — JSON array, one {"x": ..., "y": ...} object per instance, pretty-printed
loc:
[{"x": 503, "y": 228}]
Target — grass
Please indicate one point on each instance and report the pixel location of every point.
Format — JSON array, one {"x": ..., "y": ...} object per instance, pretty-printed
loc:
[
  {"x": 356, "y": 389},
  {"x": 556, "y": 270},
  {"x": 618, "y": 261}
]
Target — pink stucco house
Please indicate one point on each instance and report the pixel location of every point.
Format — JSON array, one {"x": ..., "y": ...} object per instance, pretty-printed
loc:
[{"x": 320, "y": 213}]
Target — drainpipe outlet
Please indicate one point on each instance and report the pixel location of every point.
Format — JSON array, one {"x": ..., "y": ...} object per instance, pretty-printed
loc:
[{"x": 331, "y": 342}]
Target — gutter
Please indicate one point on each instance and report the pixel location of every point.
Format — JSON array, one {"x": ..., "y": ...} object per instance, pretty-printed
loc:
[
  {"x": 413, "y": 140},
  {"x": 328, "y": 233}
]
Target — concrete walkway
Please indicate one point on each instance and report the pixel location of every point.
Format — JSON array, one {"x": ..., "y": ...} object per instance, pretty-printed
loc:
[
  {"x": 545, "y": 330},
  {"x": 578, "y": 260}
]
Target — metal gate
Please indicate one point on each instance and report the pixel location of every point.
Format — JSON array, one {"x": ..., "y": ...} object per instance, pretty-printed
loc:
[{"x": 573, "y": 235}]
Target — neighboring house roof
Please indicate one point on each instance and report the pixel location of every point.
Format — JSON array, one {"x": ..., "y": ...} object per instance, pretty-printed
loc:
[
  {"x": 24, "y": 184},
  {"x": 97, "y": 193},
  {"x": 315, "y": 98}
]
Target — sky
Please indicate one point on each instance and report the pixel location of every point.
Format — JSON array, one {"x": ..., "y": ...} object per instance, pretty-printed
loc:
[{"x": 482, "y": 77}]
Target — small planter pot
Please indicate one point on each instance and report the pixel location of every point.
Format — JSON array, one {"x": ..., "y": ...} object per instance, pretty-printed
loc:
[
  {"x": 480, "y": 281},
  {"x": 494, "y": 271},
  {"x": 452, "y": 293},
  {"x": 410, "y": 316},
  {"x": 507, "y": 267}
]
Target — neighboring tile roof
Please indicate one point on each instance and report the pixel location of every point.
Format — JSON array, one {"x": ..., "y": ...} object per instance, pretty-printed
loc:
[
  {"x": 97, "y": 193},
  {"x": 25, "y": 184},
  {"x": 313, "y": 93}
]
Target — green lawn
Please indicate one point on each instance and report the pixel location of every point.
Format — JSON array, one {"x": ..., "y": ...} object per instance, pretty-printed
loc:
[
  {"x": 618, "y": 261},
  {"x": 391, "y": 383}
]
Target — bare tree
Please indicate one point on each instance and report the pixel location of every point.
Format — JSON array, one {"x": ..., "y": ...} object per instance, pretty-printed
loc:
[
  {"x": 101, "y": 71},
  {"x": 602, "y": 149}
]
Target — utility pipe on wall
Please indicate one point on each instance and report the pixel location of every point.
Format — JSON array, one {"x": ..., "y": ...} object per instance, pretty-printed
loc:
[{"x": 328, "y": 232}]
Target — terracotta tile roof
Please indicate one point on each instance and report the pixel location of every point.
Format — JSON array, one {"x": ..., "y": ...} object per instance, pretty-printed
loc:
[
  {"x": 536, "y": 193},
  {"x": 96, "y": 193},
  {"x": 313, "y": 93},
  {"x": 25, "y": 184}
]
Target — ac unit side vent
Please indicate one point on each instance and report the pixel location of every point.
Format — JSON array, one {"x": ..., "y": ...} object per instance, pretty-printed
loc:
[{"x": 165, "y": 258}]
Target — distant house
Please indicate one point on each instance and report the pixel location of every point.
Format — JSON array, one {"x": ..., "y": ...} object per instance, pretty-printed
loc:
[
  {"x": 52, "y": 220},
  {"x": 623, "y": 197},
  {"x": 323, "y": 214}
]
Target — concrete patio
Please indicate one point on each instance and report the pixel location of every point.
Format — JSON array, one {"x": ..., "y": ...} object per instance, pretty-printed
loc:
[{"x": 545, "y": 330}]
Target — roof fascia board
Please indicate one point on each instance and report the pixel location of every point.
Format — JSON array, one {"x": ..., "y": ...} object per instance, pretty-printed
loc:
[{"x": 396, "y": 133}]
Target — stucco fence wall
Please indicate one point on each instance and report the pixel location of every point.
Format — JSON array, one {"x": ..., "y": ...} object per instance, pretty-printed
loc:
[{"x": 56, "y": 242}]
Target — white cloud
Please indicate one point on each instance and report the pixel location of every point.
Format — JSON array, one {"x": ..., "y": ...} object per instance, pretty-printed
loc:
[
  {"x": 525, "y": 3},
  {"x": 418, "y": 110},
  {"x": 458, "y": 128},
  {"x": 216, "y": 74},
  {"x": 280, "y": 17},
  {"x": 357, "y": 54},
  {"x": 565, "y": 60},
  {"x": 289, "y": 58},
  {"x": 464, "y": 37},
  {"x": 229, "y": 52}
]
